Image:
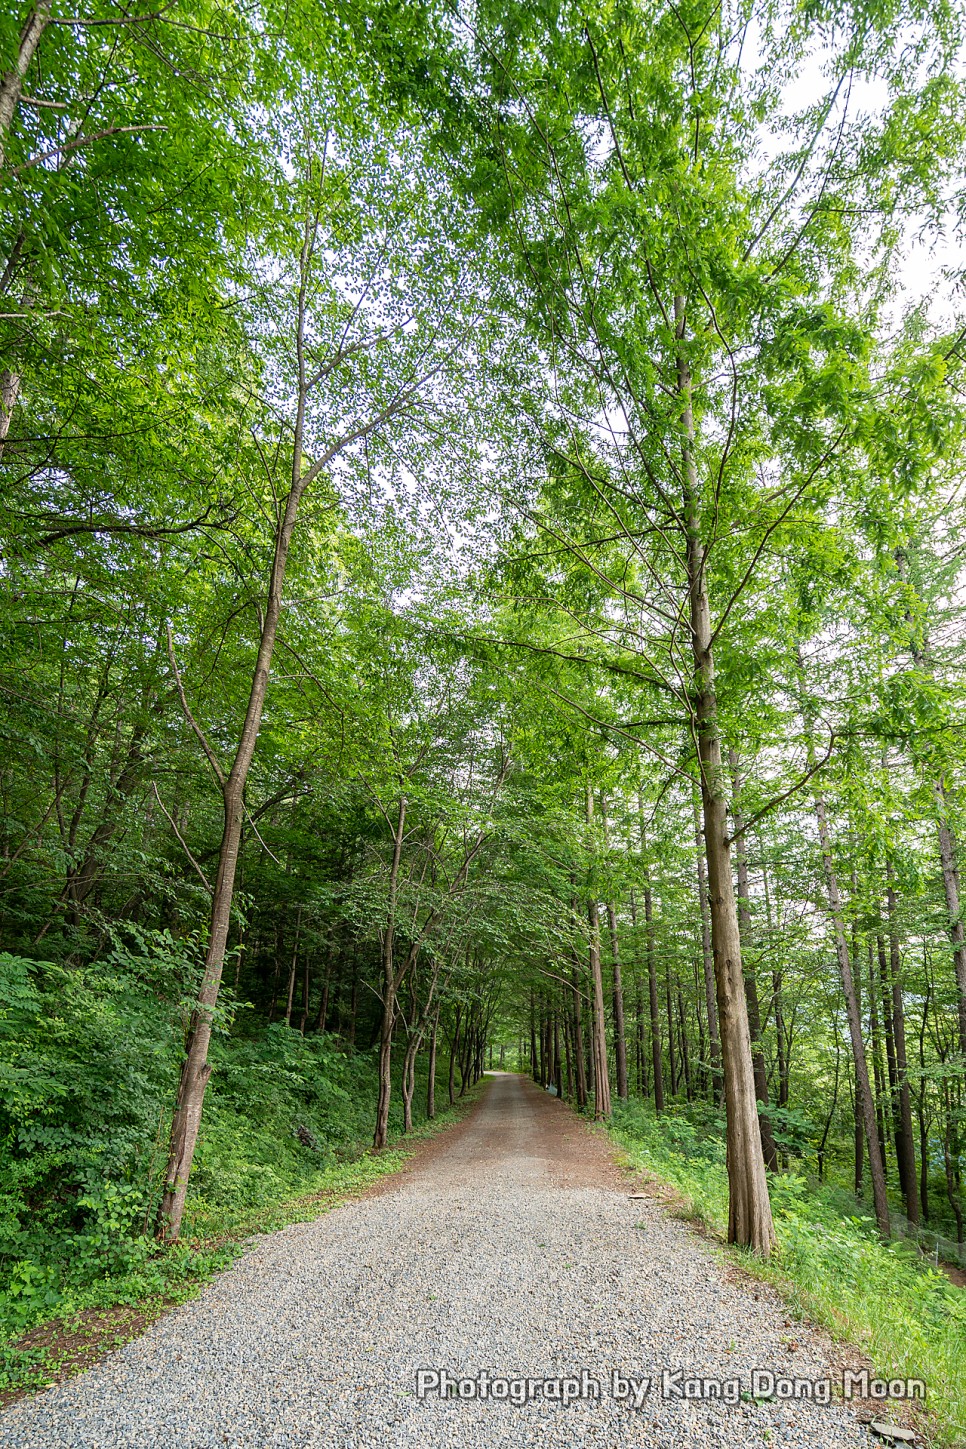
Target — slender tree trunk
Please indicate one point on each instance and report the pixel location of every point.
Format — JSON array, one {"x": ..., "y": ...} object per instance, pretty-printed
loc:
[
  {"x": 672, "y": 1054},
  {"x": 620, "y": 1038},
  {"x": 454, "y": 1047},
  {"x": 602, "y": 1107},
  {"x": 950, "y": 866},
  {"x": 10, "y": 376},
  {"x": 408, "y": 1086},
  {"x": 707, "y": 959},
  {"x": 951, "y": 1163},
  {"x": 782, "y": 1042},
  {"x": 878, "y": 1079},
  {"x": 921, "y": 1099},
  {"x": 11, "y": 90},
  {"x": 82, "y": 880},
  {"x": 542, "y": 1046},
  {"x": 858, "y": 1124},
  {"x": 639, "y": 1057},
  {"x": 323, "y": 1015},
  {"x": 685, "y": 1054},
  {"x": 888, "y": 1035},
  {"x": 196, "y": 1070},
  {"x": 422, "y": 1018},
  {"x": 705, "y": 1074},
  {"x": 863, "y": 1090},
  {"x": 831, "y": 1110},
  {"x": 580, "y": 1065},
  {"x": 305, "y": 994},
  {"x": 889, "y": 1057},
  {"x": 533, "y": 1039},
  {"x": 568, "y": 1054},
  {"x": 768, "y": 1147},
  {"x": 11, "y": 83},
  {"x": 620, "y": 1042},
  {"x": 655, "y": 1016},
  {"x": 749, "y": 1209},
  {"x": 390, "y": 985},
  {"x": 350, "y": 1035},
  {"x": 902, "y": 1065},
  {"x": 292, "y": 968},
  {"x": 431, "y": 1080}
]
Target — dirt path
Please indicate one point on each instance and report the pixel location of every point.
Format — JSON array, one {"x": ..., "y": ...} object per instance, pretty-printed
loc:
[{"x": 511, "y": 1249}]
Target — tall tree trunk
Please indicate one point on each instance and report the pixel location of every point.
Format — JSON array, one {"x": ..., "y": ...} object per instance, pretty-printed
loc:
[
  {"x": 863, "y": 1090},
  {"x": 305, "y": 994},
  {"x": 749, "y": 1209},
  {"x": 350, "y": 1034},
  {"x": 620, "y": 1038},
  {"x": 568, "y": 1054},
  {"x": 893, "y": 1077},
  {"x": 950, "y": 866},
  {"x": 672, "y": 1052},
  {"x": 951, "y": 1162},
  {"x": 908, "y": 1149},
  {"x": 542, "y": 1045},
  {"x": 11, "y": 90},
  {"x": 580, "y": 1065},
  {"x": 921, "y": 1096},
  {"x": 877, "y": 1074},
  {"x": 453, "y": 1049},
  {"x": 196, "y": 1070},
  {"x": 431, "y": 1079},
  {"x": 782, "y": 1041},
  {"x": 533, "y": 1039},
  {"x": 620, "y": 1042},
  {"x": 602, "y": 1108},
  {"x": 408, "y": 1084},
  {"x": 685, "y": 1054},
  {"x": 292, "y": 969},
  {"x": 707, "y": 960},
  {"x": 655, "y": 1016},
  {"x": 768, "y": 1147},
  {"x": 948, "y": 850},
  {"x": 639, "y": 1056},
  {"x": 390, "y": 985},
  {"x": 11, "y": 83}
]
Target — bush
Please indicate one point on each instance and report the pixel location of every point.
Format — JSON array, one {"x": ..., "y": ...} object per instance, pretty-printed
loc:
[{"x": 89, "y": 1062}]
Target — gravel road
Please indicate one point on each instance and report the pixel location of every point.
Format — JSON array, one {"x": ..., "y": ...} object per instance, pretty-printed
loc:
[{"x": 511, "y": 1248}]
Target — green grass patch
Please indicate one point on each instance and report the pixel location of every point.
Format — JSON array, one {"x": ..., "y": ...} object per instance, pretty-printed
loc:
[{"x": 908, "y": 1318}]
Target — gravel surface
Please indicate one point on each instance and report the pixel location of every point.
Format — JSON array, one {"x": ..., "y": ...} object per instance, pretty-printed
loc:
[{"x": 511, "y": 1247}]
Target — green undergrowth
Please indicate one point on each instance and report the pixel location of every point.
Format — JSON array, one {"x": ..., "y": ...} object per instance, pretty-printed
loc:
[
  {"x": 213, "y": 1238},
  {"x": 88, "y": 1065},
  {"x": 908, "y": 1318}
]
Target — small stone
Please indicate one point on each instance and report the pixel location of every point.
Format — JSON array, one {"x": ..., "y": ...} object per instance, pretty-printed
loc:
[{"x": 892, "y": 1431}]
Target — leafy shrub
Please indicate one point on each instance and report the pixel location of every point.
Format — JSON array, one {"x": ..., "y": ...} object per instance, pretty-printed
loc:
[{"x": 89, "y": 1062}]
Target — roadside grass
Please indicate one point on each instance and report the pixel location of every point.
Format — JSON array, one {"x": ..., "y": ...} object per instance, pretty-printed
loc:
[
  {"x": 101, "y": 1310},
  {"x": 906, "y": 1317}
]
